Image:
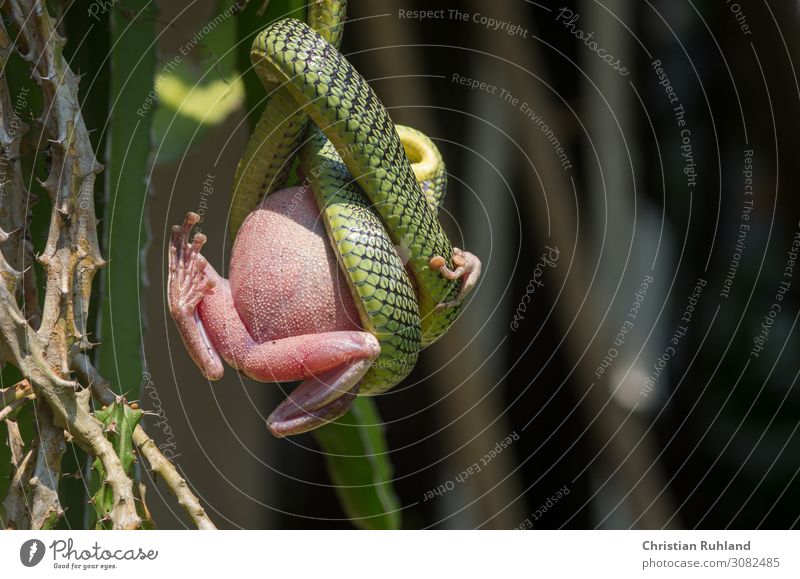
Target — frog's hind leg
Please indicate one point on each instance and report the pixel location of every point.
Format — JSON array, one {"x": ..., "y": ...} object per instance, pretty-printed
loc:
[
  {"x": 318, "y": 400},
  {"x": 330, "y": 365}
]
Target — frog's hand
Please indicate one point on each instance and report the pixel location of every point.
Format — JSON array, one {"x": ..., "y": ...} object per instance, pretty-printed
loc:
[
  {"x": 190, "y": 280},
  {"x": 467, "y": 269},
  {"x": 429, "y": 170}
]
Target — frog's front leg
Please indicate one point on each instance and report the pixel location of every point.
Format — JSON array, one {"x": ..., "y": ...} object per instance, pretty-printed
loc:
[
  {"x": 468, "y": 269},
  {"x": 188, "y": 283},
  {"x": 330, "y": 365}
]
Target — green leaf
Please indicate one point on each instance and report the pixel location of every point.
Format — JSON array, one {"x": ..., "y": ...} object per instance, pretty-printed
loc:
[
  {"x": 127, "y": 166},
  {"x": 359, "y": 466},
  {"x": 119, "y": 421},
  {"x": 193, "y": 98},
  {"x": 189, "y": 107}
]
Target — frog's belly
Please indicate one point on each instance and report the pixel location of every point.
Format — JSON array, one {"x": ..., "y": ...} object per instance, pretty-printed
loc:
[{"x": 284, "y": 276}]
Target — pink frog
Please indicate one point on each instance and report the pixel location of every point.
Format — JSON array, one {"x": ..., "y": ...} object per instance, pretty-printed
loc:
[{"x": 285, "y": 313}]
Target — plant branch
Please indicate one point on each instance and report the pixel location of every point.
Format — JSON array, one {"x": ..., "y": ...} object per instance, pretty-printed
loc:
[
  {"x": 17, "y": 511},
  {"x": 44, "y": 345},
  {"x": 102, "y": 392},
  {"x": 15, "y": 211},
  {"x": 45, "y": 506},
  {"x": 70, "y": 259},
  {"x": 20, "y": 391},
  {"x": 7, "y": 410},
  {"x": 13, "y": 397}
]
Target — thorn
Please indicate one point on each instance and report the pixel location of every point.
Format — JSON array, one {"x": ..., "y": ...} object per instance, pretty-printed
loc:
[
  {"x": 84, "y": 344},
  {"x": 39, "y": 78}
]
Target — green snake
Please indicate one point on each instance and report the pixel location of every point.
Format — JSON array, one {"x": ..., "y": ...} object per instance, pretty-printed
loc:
[{"x": 374, "y": 207}]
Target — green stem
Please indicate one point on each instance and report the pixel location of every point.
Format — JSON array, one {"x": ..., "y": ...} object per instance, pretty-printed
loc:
[
  {"x": 133, "y": 58},
  {"x": 359, "y": 466}
]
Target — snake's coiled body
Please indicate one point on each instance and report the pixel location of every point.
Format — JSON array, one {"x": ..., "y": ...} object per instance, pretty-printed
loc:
[
  {"x": 280, "y": 130},
  {"x": 388, "y": 303},
  {"x": 375, "y": 211}
]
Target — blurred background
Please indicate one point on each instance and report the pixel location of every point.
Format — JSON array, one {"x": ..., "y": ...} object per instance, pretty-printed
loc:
[{"x": 626, "y": 171}]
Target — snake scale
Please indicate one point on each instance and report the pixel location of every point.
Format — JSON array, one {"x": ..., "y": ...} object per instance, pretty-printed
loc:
[{"x": 377, "y": 211}]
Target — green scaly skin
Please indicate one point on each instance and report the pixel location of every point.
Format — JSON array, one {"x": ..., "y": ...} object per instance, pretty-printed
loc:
[
  {"x": 279, "y": 133},
  {"x": 344, "y": 107},
  {"x": 430, "y": 172},
  {"x": 381, "y": 288},
  {"x": 372, "y": 220}
]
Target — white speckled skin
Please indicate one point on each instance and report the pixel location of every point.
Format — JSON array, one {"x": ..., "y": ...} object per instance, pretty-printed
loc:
[{"x": 284, "y": 277}]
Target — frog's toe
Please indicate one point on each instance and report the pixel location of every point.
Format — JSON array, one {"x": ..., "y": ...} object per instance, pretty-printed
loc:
[
  {"x": 188, "y": 282},
  {"x": 467, "y": 269}
]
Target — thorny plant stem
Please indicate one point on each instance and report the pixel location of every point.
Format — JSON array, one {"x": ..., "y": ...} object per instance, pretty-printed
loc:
[
  {"x": 102, "y": 392},
  {"x": 44, "y": 346}
]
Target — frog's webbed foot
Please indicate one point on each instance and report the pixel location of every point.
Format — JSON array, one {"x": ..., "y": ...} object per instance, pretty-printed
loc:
[
  {"x": 468, "y": 270},
  {"x": 187, "y": 284}
]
